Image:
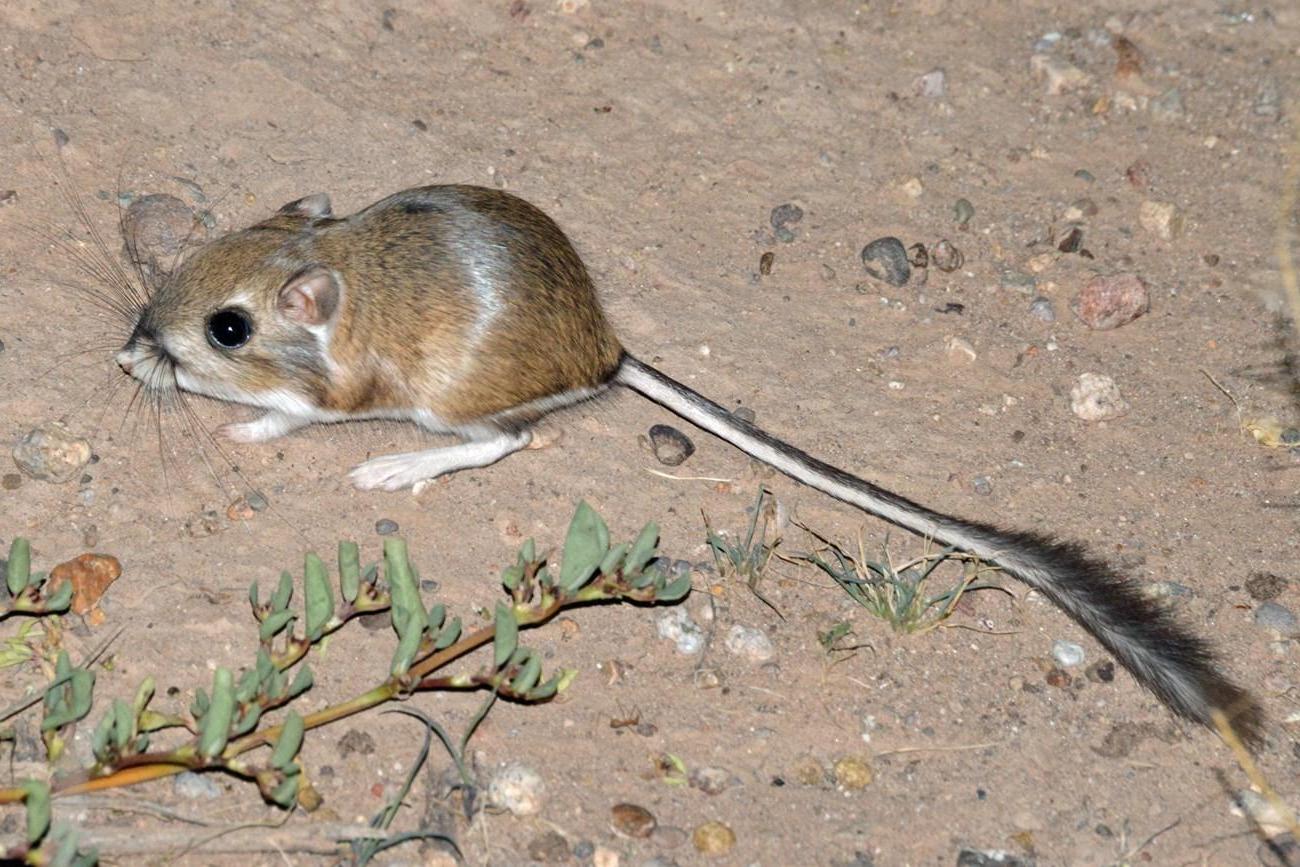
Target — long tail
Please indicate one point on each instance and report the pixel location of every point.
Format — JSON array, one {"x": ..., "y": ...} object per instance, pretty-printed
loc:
[{"x": 1177, "y": 666}]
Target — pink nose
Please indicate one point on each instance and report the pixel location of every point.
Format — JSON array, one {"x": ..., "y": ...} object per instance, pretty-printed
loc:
[{"x": 125, "y": 362}]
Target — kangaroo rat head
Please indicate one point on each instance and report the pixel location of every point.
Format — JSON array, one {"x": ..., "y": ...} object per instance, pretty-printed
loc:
[{"x": 245, "y": 317}]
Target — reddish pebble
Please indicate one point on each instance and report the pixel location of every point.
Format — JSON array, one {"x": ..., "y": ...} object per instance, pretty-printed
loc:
[
  {"x": 632, "y": 820},
  {"x": 90, "y": 575},
  {"x": 1107, "y": 302}
]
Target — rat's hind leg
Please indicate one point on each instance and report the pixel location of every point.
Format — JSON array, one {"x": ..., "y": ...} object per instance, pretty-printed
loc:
[{"x": 394, "y": 472}]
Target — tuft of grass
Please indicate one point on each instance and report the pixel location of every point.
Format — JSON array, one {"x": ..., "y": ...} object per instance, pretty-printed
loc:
[
  {"x": 747, "y": 559},
  {"x": 896, "y": 593}
]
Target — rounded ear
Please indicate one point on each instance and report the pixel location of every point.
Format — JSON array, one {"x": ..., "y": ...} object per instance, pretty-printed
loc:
[
  {"x": 314, "y": 207},
  {"x": 310, "y": 297}
]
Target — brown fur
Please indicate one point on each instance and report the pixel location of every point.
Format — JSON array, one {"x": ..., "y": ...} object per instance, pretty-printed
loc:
[{"x": 464, "y": 301}]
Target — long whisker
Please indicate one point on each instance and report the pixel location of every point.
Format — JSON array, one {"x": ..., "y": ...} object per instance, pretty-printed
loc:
[{"x": 120, "y": 299}]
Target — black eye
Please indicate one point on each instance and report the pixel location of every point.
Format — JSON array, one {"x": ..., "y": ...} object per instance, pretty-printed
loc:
[{"x": 229, "y": 328}]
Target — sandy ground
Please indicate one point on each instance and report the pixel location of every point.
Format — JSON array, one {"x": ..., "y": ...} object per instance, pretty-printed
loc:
[{"x": 661, "y": 136}]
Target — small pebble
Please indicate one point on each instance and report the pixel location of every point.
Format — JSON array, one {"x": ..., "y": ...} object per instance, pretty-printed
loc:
[
  {"x": 886, "y": 259},
  {"x": 518, "y": 789},
  {"x": 1042, "y": 262},
  {"x": 1279, "y": 618},
  {"x": 11, "y": 481},
  {"x": 1080, "y": 209},
  {"x": 752, "y": 644},
  {"x": 912, "y": 188},
  {"x": 157, "y": 227},
  {"x": 61, "y": 139},
  {"x": 1041, "y": 308},
  {"x": 959, "y": 349},
  {"x": 786, "y": 215},
  {"x": 52, "y": 453},
  {"x": 1263, "y": 586},
  {"x": 1085, "y": 176},
  {"x": 1067, "y": 654},
  {"x": 386, "y": 527},
  {"x": 1058, "y": 678},
  {"x": 963, "y": 212},
  {"x": 632, "y": 820},
  {"x": 8, "y": 197},
  {"x": 1072, "y": 241},
  {"x": 1096, "y": 397},
  {"x": 918, "y": 256},
  {"x": 852, "y": 773},
  {"x": 931, "y": 85},
  {"x": 1109, "y": 301},
  {"x": 710, "y": 781},
  {"x": 671, "y": 446},
  {"x": 549, "y": 847},
  {"x": 713, "y": 838},
  {"x": 600, "y": 856},
  {"x": 765, "y": 263},
  {"x": 1168, "y": 592},
  {"x": 946, "y": 257},
  {"x": 678, "y": 627},
  {"x": 982, "y": 485},
  {"x": 1102, "y": 671},
  {"x": 990, "y": 858},
  {"x": 240, "y": 510},
  {"x": 808, "y": 771},
  {"x": 1058, "y": 75},
  {"x": 1019, "y": 281},
  {"x": 744, "y": 413},
  {"x": 1138, "y": 174},
  {"x": 195, "y": 786},
  {"x": 1162, "y": 219},
  {"x": 257, "y": 501}
]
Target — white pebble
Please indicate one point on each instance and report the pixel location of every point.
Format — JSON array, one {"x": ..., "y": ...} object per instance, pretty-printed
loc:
[
  {"x": 931, "y": 85},
  {"x": 678, "y": 627},
  {"x": 1067, "y": 654},
  {"x": 517, "y": 788},
  {"x": 1162, "y": 219},
  {"x": 752, "y": 644},
  {"x": 959, "y": 350},
  {"x": 1096, "y": 397}
]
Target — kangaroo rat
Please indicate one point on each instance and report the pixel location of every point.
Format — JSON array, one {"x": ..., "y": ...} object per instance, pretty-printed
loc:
[{"x": 467, "y": 311}]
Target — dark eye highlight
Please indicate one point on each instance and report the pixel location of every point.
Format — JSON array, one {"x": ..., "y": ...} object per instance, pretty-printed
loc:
[{"x": 229, "y": 328}]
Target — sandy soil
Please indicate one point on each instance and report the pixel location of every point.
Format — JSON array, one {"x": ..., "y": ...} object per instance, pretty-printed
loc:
[{"x": 661, "y": 135}]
